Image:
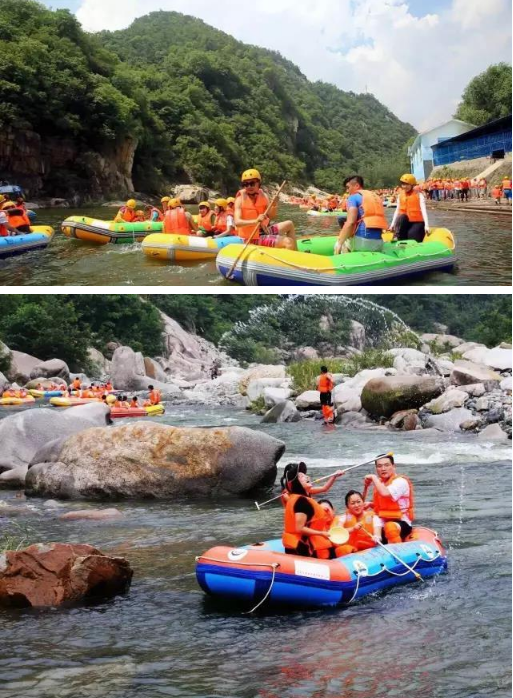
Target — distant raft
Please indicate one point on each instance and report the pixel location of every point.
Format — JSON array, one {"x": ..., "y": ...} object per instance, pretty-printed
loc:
[
  {"x": 103, "y": 232},
  {"x": 39, "y": 237},
  {"x": 148, "y": 411},
  {"x": 262, "y": 572},
  {"x": 72, "y": 401},
  {"x": 327, "y": 214},
  {"x": 46, "y": 394},
  {"x": 15, "y": 401},
  {"x": 318, "y": 266},
  {"x": 185, "y": 248}
]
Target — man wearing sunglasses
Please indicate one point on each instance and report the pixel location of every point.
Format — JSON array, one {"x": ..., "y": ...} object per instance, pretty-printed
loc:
[{"x": 251, "y": 204}]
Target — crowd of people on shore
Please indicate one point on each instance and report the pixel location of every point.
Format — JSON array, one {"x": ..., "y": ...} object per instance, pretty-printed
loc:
[
  {"x": 465, "y": 189},
  {"x": 309, "y": 524}
]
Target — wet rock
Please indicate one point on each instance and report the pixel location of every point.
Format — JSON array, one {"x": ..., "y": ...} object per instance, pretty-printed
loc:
[
  {"x": 259, "y": 372},
  {"x": 499, "y": 358},
  {"x": 149, "y": 460},
  {"x": 495, "y": 414},
  {"x": 493, "y": 432},
  {"x": 466, "y": 372},
  {"x": 448, "y": 421},
  {"x": 308, "y": 400},
  {"x": 447, "y": 401},
  {"x": 482, "y": 404},
  {"x": 54, "y": 574},
  {"x": 405, "y": 419},
  {"x": 353, "y": 420},
  {"x": 474, "y": 389},
  {"x": 506, "y": 384},
  {"x": 476, "y": 355},
  {"x": 21, "y": 367},
  {"x": 273, "y": 396},
  {"x": 91, "y": 515},
  {"x": 257, "y": 388},
  {"x": 54, "y": 368},
  {"x": 15, "y": 477},
  {"x": 23, "y": 434},
  {"x": 284, "y": 411},
  {"x": 347, "y": 396},
  {"x": 381, "y": 397},
  {"x": 471, "y": 424}
]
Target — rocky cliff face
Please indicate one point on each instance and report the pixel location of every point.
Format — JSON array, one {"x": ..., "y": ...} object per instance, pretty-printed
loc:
[{"x": 60, "y": 167}]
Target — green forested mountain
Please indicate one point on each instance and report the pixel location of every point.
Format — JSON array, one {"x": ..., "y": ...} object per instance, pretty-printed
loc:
[
  {"x": 28, "y": 322},
  {"x": 201, "y": 105}
]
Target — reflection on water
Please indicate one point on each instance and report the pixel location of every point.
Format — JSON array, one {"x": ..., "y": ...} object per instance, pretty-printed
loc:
[
  {"x": 447, "y": 637},
  {"x": 484, "y": 253}
]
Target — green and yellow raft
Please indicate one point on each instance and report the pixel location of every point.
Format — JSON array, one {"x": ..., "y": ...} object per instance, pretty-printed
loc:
[
  {"x": 314, "y": 263},
  {"x": 103, "y": 232}
]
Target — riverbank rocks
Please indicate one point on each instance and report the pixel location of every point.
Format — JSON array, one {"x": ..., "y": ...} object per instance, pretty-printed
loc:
[
  {"x": 147, "y": 460},
  {"x": 191, "y": 193},
  {"x": 466, "y": 372},
  {"x": 347, "y": 395},
  {"x": 273, "y": 396},
  {"x": 260, "y": 372},
  {"x": 284, "y": 411},
  {"x": 56, "y": 574},
  {"x": 442, "y": 340},
  {"x": 381, "y": 397},
  {"x": 310, "y": 399},
  {"x": 91, "y": 515},
  {"x": 25, "y": 433},
  {"x": 21, "y": 367},
  {"x": 409, "y": 361},
  {"x": 4, "y": 383},
  {"x": 407, "y": 420},
  {"x": 54, "y": 368},
  {"x": 493, "y": 432},
  {"x": 448, "y": 421},
  {"x": 447, "y": 401}
]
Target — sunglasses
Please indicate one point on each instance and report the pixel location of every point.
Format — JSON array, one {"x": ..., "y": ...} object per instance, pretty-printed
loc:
[{"x": 253, "y": 183}]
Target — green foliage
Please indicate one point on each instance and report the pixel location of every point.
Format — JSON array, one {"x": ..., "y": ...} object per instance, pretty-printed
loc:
[
  {"x": 487, "y": 96},
  {"x": 15, "y": 536},
  {"x": 258, "y": 406},
  {"x": 202, "y": 106}
]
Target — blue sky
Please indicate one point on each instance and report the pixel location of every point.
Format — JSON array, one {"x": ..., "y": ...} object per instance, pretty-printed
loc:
[{"x": 415, "y": 56}]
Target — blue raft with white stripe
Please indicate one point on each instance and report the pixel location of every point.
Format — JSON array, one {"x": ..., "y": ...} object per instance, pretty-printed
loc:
[{"x": 263, "y": 572}]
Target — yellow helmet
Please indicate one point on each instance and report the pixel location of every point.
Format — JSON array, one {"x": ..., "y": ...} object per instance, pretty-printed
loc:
[
  {"x": 408, "y": 179},
  {"x": 2, "y": 198},
  {"x": 110, "y": 399},
  {"x": 251, "y": 174},
  {"x": 204, "y": 203},
  {"x": 314, "y": 196},
  {"x": 174, "y": 203},
  {"x": 230, "y": 200},
  {"x": 222, "y": 203},
  {"x": 164, "y": 200},
  {"x": 131, "y": 203}
]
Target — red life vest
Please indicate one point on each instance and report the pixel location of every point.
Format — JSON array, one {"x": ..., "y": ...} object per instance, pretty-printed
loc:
[
  {"x": 221, "y": 223},
  {"x": 359, "y": 539},
  {"x": 373, "y": 211},
  {"x": 3, "y": 231},
  {"x": 387, "y": 509},
  {"x": 250, "y": 210},
  {"x": 409, "y": 205},
  {"x": 176, "y": 222},
  {"x": 126, "y": 214},
  {"x": 325, "y": 383},
  {"x": 319, "y": 522},
  {"x": 205, "y": 222},
  {"x": 17, "y": 217}
]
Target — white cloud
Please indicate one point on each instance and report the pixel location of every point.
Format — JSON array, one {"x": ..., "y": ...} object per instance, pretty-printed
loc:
[{"x": 417, "y": 66}]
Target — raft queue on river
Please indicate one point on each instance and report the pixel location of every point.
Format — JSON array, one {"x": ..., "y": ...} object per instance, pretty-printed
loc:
[{"x": 251, "y": 249}]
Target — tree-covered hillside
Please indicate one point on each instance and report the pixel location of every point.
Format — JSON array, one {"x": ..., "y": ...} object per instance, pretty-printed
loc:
[
  {"x": 200, "y": 105},
  {"x": 487, "y": 96}
]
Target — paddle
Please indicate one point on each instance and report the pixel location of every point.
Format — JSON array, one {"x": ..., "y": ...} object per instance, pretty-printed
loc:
[
  {"x": 376, "y": 540},
  {"x": 255, "y": 231},
  {"x": 325, "y": 477}
]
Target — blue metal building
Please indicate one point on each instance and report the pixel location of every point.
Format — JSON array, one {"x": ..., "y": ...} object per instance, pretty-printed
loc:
[{"x": 491, "y": 140}]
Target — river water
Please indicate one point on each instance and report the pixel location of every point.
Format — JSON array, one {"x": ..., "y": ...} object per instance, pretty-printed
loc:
[
  {"x": 483, "y": 246},
  {"x": 447, "y": 637}
]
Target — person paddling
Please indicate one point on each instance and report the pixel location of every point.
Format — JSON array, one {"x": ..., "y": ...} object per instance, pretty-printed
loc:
[
  {"x": 393, "y": 500},
  {"x": 305, "y": 526}
]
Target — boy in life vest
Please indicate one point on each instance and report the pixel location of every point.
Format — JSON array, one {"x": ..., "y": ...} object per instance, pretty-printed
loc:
[
  {"x": 365, "y": 222},
  {"x": 393, "y": 500},
  {"x": 126, "y": 213},
  {"x": 410, "y": 221},
  {"x": 363, "y": 525},
  {"x": 506, "y": 189},
  {"x": 154, "y": 397},
  {"x": 177, "y": 220},
  {"x": 224, "y": 224},
  {"x": 305, "y": 525},
  {"x": 497, "y": 195},
  {"x": 18, "y": 218},
  {"x": 251, "y": 204},
  {"x": 206, "y": 219}
]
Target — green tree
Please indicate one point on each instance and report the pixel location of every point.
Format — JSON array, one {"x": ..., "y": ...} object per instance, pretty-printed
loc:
[{"x": 487, "y": 96}]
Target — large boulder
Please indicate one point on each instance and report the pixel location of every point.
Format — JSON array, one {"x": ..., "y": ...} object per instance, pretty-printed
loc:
[
  {"x": 476, "y": 355},
  {"x": 273, "y": 396},
  {"x": 357, "y": 337},
  {"x": 493, "y": 432},
  {"x": 127, "y": 370},
  {"x": 284, "y": 411},
  {"x": 506, "y": 384},
  {"x": 4, "y": 383},
  {"x": 258, "y": 373},
  {"x": 191, "y": 193},
  {"x": 100, "y": 364},
  {"x": 52, "y": 574},
  {"x": 407, "y": 420},
  {"x": 447, "y": 401},
  {"x": 21, "y": 367},
  {"x": 466, "y": 372},
  {"x": 223, "y": 390},
  {"x": 47, "y": 383},
  {"x": 154, "y": 370},
  {"x": 381, "y": 397},
  {"x": 257, "y": 388},
  {"x": 448, "y": 421},
  {"x": 442, "y": 340},
  {"x": 310, "y": 399},
  {"x": 154, "y": 461},
  {"x": 305, "y": 354},
  {"x": 347, "y": 395},
  {"x": 54, "y": 368},
  {"x": 499, "y": 359},
  {"x": 409, "y": 361},
  {"x": 23, "y": 434}
]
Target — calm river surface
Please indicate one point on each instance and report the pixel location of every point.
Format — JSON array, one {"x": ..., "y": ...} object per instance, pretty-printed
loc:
[
  {"x": 449, "y": 637},
  {"x": 483, "y": 245}
]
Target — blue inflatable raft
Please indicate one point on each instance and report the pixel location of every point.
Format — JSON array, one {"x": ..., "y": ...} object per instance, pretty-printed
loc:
[{"x": 40, "y": 237}]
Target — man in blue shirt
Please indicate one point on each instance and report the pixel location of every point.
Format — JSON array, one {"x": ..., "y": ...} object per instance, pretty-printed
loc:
[{"x": 365, "y": 220}]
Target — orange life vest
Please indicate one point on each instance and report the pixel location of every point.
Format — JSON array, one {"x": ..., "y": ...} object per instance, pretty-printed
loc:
[
  {"x": 496, "y": 193},
  {"x": 3, "y": 231},
  {"x": 76, "y": 384},
  {"x": 108, "y": 386},
  {"x": 205, "y": 222},
  {"x": 328, "y": 413},
  {"x": 409, "y": 204},
  {"x": 221, "y": 224},
  {"x": 17, "y": 217},
  {"x": 176, "y": 222},
  {"x": 319, "y": 522},
  {"x": 373, "y": 211},
  {"x": 359, "y": 539},
  {"x": 126, "y": 214},
  {"x": 133, "y": 403},
  {"x": 387, "y": 509},
  {"x": 154, "y": 397},
  {"x": 250, "y": 210},
  {"x": 506, "y": 183},
  {"x": 325, "y": 383}
]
